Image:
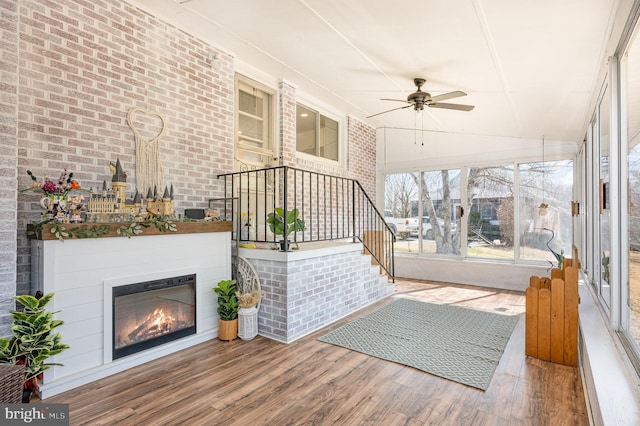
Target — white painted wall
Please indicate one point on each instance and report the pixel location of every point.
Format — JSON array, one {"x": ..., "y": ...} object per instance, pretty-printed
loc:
[
  {"x": 495, "y": 274},
  {"x": 77, "y": 271},
  {"x": 397, "y": 150}
]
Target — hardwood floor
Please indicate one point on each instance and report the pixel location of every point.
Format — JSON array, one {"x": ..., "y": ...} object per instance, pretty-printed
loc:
[{"x": 262, "y": 382}]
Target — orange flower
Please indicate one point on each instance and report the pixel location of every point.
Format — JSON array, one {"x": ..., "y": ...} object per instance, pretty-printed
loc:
[{"x": 75, "y": 184}]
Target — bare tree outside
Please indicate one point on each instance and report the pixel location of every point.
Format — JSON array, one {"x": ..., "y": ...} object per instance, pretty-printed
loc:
[
  {"x": 400, "y": 190},
  {"x": 437, "y": 186},
  {"x": 490, "y": 209}
]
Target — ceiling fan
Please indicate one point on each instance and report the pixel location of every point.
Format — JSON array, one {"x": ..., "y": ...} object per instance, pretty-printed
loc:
[{"x": 419, "y": 99}]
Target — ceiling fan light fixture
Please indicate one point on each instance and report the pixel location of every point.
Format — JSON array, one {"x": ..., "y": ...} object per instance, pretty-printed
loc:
[{"x": 419, "y": 99}]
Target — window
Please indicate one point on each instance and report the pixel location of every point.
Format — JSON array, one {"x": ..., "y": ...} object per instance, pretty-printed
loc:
[
  {"x": 630, "y": 70},
  {"x": 550, "y": 183},
  {"x": 316, "y": 134},
  {"x": 400, "y": 196},
  {"x": 500, "y": 220},
  {"x": 440, "y": 196},
  {"x": 255, "y": 145},
  {"x": 490, "y": 221},
  {"x": 604, "y": 198}
]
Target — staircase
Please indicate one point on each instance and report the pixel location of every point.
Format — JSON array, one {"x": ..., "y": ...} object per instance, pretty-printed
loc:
[{"x": 333, "y": 208}]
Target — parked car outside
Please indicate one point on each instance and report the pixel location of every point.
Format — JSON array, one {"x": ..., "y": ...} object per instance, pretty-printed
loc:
[
  {"x": 398, "y": 225},
  {"x": 427, "y": 229}
]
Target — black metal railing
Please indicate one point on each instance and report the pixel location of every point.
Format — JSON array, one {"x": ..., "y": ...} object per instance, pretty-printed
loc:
[{"x": 331, "y": 207}]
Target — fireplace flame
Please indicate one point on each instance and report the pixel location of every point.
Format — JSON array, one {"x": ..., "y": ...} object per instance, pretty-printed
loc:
[{"x": 154, "y": 325}]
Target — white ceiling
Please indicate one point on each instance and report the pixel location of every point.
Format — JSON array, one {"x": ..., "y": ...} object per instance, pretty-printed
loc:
[{"x": 529, "y": 67}]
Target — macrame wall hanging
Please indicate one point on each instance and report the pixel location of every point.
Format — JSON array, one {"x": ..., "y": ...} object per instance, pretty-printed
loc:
[{"x": 148, "y": 166}]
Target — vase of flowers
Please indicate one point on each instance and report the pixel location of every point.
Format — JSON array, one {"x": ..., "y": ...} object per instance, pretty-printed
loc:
[{"x": 55, "y": 193}]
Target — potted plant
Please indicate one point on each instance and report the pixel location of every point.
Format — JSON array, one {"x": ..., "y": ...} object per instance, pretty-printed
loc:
[
  {"x": 33, "y": 340},
  {"x": 227, "y": 310},
  {"x": 285, "y": 224}
]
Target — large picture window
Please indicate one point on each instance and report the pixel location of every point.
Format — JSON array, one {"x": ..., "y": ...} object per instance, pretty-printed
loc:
[
  {"x": 501, "y": 218},
  {"x": 421, "y": 209}
]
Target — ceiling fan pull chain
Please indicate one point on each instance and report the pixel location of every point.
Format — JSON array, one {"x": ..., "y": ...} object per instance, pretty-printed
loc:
[
  {"x": 422, "y": 127},
  {"x": 415, "y": 128}
]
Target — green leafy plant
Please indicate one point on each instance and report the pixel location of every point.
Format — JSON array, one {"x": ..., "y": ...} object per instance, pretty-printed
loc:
[
  {"x": 284, "y": 224},
  {"x": 227, "y": 300},
  {"x": 33, "y": 338},
  {"x": 129, "y": 229},
  {"x": 560, "y": 257},
  {"x": 126, "y": 229}
]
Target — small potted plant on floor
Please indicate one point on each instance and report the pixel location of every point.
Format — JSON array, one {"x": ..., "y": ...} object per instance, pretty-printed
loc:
[
  {"x": 33, "y": 340},
  {"x": 283, "y": 224},
  {"x": 227, "y": 310}
]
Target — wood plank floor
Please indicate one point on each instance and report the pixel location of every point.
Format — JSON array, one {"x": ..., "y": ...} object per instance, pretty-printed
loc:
[{"x": 262, "y": 382}]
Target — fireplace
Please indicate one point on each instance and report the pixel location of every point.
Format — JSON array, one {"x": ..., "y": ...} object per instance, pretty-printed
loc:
[{"x": 152, "y": 313}]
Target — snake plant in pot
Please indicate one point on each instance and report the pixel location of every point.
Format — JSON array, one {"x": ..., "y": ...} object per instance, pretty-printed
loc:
[
  {"x": 33, "y": 340},
  {"x": 284, "y": 224},
  {"x": 227, "y": 309}
]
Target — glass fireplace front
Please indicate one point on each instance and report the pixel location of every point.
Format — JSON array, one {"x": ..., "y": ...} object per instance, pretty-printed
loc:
[{"x": 152, "y": 313}]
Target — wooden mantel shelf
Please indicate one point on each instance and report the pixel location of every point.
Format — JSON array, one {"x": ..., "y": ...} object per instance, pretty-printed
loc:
[{"x": 181, "y": 228}]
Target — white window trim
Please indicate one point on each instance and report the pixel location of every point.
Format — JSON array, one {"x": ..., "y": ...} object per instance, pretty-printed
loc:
[
  {"x": 517, "y": 260},
  {"x": 274, "y": 119},
  {"x": 342, "y": 135}
]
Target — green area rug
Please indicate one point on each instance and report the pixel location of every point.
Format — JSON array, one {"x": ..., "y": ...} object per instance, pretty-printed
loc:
[{"x": 459, "y": 344}]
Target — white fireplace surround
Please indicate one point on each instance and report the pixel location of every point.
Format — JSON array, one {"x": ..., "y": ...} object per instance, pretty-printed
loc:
[{"x": 82, "y": 274}]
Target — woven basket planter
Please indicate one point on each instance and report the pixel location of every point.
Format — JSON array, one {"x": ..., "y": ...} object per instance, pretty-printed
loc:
[
  {"x": 11, "y": 383},
  {"x": 247, "y": 323}
]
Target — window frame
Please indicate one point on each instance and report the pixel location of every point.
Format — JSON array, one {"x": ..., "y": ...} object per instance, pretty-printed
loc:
[
  {"x": 323, "y": 112},
  {"x": 462, "y": 222},
  {"x": 270, "y": 121}
]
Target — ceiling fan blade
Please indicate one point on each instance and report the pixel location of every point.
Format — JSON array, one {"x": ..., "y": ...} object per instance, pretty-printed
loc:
[
  {"x": 396, "y": 100},
  {"x": 384, "y": 112},
  {"x": 449, "y": 95},
  {"x": 457, "y": 107}
]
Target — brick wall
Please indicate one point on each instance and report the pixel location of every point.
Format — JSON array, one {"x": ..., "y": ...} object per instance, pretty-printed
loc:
[
  {"x": 302, "y": 296},
  {"x": 8, "y": 158},
  {"x": 360, "y": 140},
  {"x": 287, "y": 105},
  {"x": 83, "y": 65},
  {"x": 72, "y": 70},
  {"x": 362, "y": 155}
]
